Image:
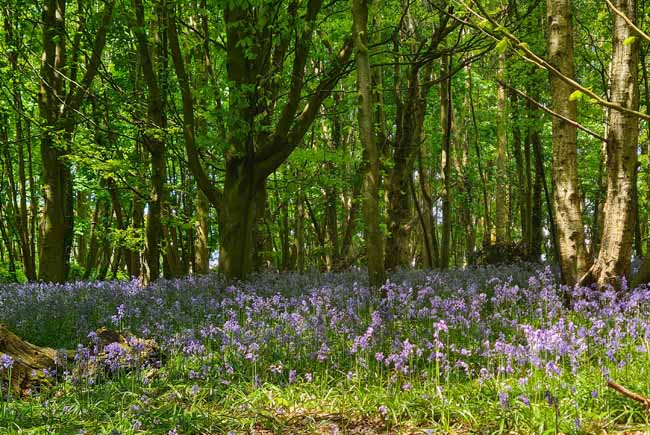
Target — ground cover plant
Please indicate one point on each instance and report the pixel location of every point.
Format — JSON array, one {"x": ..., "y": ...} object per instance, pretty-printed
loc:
[{"x": 482, "y": 350}]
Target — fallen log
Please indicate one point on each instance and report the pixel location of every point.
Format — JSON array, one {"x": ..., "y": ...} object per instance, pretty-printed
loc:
[
  {"x": 33, "y": 367},
  {"x": 29, "y": 363}
]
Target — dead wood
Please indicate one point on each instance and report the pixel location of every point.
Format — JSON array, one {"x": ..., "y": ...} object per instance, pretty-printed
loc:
[{"x": 629, "y": 394}]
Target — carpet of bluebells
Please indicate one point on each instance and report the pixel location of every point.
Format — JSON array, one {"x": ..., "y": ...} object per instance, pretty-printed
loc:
[{"x": 485, "y": 350}]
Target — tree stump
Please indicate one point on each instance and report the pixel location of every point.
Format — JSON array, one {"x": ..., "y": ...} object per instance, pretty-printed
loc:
[{"x": 29, "y": 362}]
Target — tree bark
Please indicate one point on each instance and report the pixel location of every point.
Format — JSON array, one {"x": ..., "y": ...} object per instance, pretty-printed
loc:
[
  {"x": 501, "y": 194},
  {"x": 202, "y": 256},
  {"x": 566, "y": 196},
  {"x": 613, "y": 260},
  {"x": 58, "y": 112},
  {"x": 374, "y": 238},
  {"x": 446, "y": 114},
  {"x": 153, "y": 141}
]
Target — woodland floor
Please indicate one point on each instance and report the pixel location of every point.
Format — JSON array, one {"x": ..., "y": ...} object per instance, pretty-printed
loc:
[{"x": 488, "y": 350}]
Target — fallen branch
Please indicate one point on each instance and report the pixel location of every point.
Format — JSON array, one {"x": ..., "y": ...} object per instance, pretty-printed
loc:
[{"x": 629, "y": 394}]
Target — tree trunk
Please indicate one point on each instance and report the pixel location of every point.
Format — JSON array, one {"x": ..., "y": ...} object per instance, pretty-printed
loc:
[
  {"x": 479, "y": 161},
  {"x": 613, "y": 260},
  {"x": 533, "y": 143},
  {"x": 373, "y": 235},
  {"x": 445, "y": 161},
  {"x": 237, "y": 219},
  {"x": 154, "y": 143},
  {"x": 566, "y": 196},
  {"x": 52, "y": 264},
  {"x": 29, "y": 264},
  {"x": 58, "y": 112},
  {"x": 501, "y": 194},
  {"x": 91, "y": 256},
  {"x": 202, "y": 250},
  {"x": 522, "y": 188},
  {"x": 299, "y": 241}
]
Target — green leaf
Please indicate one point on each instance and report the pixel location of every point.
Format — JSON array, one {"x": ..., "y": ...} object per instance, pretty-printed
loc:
[
  {"x": 576, "y": 95},
  {"x": 629, "y": 40},
  {"x": 502, "y": 45}
]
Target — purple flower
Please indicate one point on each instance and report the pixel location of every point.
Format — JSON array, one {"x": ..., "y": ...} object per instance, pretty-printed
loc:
[
  {"x": 503, "y": 399},
  {"x": 6, "y": 362},
  {"x": 524, "y": 399}
]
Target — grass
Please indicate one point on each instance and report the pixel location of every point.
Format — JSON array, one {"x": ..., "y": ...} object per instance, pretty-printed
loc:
[{"x": 486, "y": 351}]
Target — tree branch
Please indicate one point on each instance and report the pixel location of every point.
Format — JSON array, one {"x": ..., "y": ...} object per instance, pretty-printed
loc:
[
  {"x": 552, "y": 113},
  {"x": 629, "y": 22},
  {"x": 629, "y": 394},
  {"x": 283, "y": 143},
  {"x": 213, "y": 194},
  {"x": 76, "y": 98},
  {"x": 522, "y": 49}
]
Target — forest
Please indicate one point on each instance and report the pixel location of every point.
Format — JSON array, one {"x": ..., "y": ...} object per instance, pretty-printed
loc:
[{"x": 324, "y": 216}]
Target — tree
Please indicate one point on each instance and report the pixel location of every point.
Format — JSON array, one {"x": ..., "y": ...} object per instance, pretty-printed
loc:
[
  {"x": 566, "y": 194},
  {"x": 58, "y": 110},
  {"x": 613, "y": 261},
  {"x": 374, "y": 239}
]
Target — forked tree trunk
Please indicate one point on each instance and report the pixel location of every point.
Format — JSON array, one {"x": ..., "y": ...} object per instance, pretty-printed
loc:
[
  {"x": 613, "y": 260},
  {"x": 153, "y": 140},
  {"x": 566, "y": 196}
]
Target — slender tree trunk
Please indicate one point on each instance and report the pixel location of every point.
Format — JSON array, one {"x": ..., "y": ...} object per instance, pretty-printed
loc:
[
  {"x": 7, "y": 241},
  {"x": 566, "y": 196},
  {"x": 93, "y": 248},
  {"x": 137, "y": 219},
  {"x": 533, "y": 143},
  {"x": 501, "y": 194},
  {"x": 154, "y": 143},
  {"x": 446, "y": 159},
  {"x": 613, "y": 260},
  {"x": 373, "y": 236},
  {"x": 479, "y": 160},
  {"x": 202, "y": 258},
  {"x": 300, "y": 233},
  {"x": 29, "y": 265},
  {"x": 522, "y": 188},
  {"x": 429, "y": 217},
  {"x": 33, "y": 198}
]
